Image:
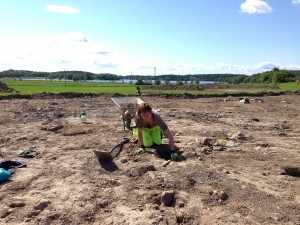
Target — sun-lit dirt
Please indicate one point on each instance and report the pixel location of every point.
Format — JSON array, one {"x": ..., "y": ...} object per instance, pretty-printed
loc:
[{"x": 254, "y": 181}]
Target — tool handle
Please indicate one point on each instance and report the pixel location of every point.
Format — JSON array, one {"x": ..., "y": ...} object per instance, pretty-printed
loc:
[
  {"x": 124, "y": 140},
  {"x": 117, "y": 145},
  {"x": 167, "y": 162}
]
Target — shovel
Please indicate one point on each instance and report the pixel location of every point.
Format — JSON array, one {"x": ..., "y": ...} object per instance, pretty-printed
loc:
[{"x": 107, "y": 155}]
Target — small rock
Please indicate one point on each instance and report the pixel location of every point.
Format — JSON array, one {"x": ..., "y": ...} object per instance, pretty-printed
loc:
[
  {"x": 5, "y": 212},
  {"x": 167, "y": 197},
  {"x": 219, "y": 195},
  {"x": 181, "y": 204},
  {"x": 206, "y": 150},
  {"x": 59, "y": 115},
  {"x": 104, "y": 204},
  {"x": 42, "y": 205},
  {"x": 218, "y": 148},
  {"x": 144, "y": 169},
  {"x": 34, "y": 213},
  {"x": 54, "y": 216},
  {"x": 222, "y": 195},
  {"x": 133, "y": 173},
  {"x": 236, "y": 135},
  {"x": 17, "y": 204},
  {"x": 257, "y": 148},
  {"x": 52, "y": 127},
  {"x": 124, "y": 160},
  {"x": 262, "y": 144},
  {"x": 179, "y": 219},
  {"x": 208, "y": 141},
  {"x": 226, "y": 171},
  {"x": 203, "y": 150},
  {"x": 156, "y": 207}
]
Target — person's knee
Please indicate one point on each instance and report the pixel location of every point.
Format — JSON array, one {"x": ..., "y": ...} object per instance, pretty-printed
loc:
[
  {"x": 148, "y": 144},
  {"x": 147, "y": 140},
  {"x": 156, "y": 135}
]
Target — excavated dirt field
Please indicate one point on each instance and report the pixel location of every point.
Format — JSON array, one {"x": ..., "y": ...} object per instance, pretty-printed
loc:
[{"x": 254, "y": 181}]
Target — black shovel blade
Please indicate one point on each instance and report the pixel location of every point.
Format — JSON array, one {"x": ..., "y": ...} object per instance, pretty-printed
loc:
[{"x": 103, "y": 155}]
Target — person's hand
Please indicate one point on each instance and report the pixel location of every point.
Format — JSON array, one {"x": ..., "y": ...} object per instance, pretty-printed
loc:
[
  {"x": 141, "y": 150},
  {"x": 174, "y": 155}
]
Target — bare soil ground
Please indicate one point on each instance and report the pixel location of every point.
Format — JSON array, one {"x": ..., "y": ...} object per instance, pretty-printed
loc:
[{"x": 255, "y": 181}]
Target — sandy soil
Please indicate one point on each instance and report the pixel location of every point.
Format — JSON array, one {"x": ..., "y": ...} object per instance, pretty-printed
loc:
[{"x": 255, "y": 181}]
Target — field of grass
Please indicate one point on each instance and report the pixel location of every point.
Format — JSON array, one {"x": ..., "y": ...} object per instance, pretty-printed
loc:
[
  {"x": 36, "y": 87},
  {"x": 290, "y": 86}
]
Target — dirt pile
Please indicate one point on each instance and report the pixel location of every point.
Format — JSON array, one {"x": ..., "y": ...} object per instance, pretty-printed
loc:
[
  {"x": 4, "y": 88},
  {"x": 253, "y": 180}
]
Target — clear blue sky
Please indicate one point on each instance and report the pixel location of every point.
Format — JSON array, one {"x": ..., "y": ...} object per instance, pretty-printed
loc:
[{"x": 134, "y": 36}]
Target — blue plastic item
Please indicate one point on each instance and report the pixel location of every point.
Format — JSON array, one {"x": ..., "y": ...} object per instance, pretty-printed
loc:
[{"x": 4, "y": 175}]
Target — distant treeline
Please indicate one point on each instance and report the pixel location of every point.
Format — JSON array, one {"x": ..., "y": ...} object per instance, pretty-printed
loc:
[
  {"x": 61, "y": 75},
  {"x": 83, "y": 76},
  {"x": 274, "y": 76}
]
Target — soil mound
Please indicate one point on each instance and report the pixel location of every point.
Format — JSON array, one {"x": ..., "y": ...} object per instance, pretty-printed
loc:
[{"x": 4, "y": 88}]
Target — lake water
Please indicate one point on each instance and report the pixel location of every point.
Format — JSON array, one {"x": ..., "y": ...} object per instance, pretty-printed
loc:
[{"x": 127, "y": 81}]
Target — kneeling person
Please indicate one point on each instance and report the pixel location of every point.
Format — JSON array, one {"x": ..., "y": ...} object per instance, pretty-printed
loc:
[{"x": 150, "y": 127}]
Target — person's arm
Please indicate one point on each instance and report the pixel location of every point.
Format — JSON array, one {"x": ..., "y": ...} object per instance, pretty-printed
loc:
[
  {"x": 171, "y": 139},
  {"x": 140, "y": 136}
]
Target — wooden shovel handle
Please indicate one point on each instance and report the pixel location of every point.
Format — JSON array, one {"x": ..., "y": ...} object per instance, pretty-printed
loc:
[{"x": 167, "y": 162}]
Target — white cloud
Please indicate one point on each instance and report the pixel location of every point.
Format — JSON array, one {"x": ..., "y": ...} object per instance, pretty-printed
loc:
[
  {"x": 255, "y": 6},
  {"x": 219, "y": 68},
  {"x": 62, "y": 9},
  {"x": 48, "y": 52},
  {"x": 290, "y": 67},
  {"x": 233, "y": 69},
  {"x": 296, "y": 2},
  {"x": 74, "y": 51}
]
